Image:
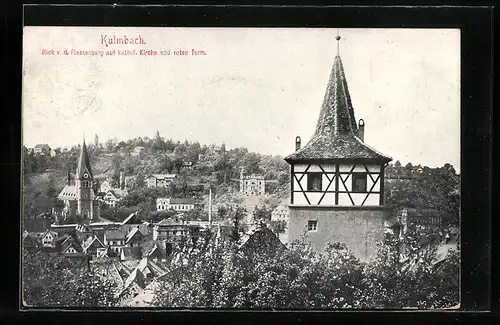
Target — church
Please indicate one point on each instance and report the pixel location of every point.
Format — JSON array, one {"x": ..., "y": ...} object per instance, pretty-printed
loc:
[
  {"x": 337, "y": 180},
  {"x": 80, "y": 197}
]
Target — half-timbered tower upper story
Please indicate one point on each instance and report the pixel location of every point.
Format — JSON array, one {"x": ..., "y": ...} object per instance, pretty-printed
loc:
[{"x": 336, "y": 167}]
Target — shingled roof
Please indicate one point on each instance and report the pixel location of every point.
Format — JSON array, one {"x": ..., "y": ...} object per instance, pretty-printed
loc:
[
  {"x": 336, "y": 134},
  {"x": 83, "y": 162}
]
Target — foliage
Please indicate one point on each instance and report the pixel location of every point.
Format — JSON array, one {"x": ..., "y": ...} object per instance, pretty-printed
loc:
[
  {"x": 428, "y": 188},
  {"x": 50, "y": 280},
  {"x": 278, "y": 226},
  {"x": 216, "y": 274}
]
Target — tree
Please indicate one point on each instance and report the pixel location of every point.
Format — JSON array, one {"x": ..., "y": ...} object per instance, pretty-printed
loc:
[
  {"x": 52, "y": 280},
  {"x": 397, "y": 164}
]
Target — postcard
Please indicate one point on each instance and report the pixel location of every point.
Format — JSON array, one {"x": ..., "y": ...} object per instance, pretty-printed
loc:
[{"x": 241, "y": 168}]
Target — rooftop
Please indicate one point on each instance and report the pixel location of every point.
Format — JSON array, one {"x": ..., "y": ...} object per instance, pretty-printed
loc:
[{"x": 336, "y": 134}]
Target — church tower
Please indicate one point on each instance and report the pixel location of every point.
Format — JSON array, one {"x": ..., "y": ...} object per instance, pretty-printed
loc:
[
  {"x": 84, "y": 185},
  {"x": 337, "y": 180}
]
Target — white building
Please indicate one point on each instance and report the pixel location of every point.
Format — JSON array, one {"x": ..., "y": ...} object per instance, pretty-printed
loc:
[
  {"x": 177, "y": 204},
  {"x": 252, "y": 184},
  {"x": 281, "y": 213},
  {"x": 160, "y": 180}
]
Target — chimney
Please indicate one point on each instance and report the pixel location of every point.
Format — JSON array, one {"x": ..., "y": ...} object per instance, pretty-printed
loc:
[
  {"x": 361, "y": 130},
  {"x": 122, "y": 180},
  {"x": 297, "y": 143}
]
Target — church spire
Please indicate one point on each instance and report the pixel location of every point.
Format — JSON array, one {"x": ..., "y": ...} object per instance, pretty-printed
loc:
[
  {"x": 337, "y": 114},
  {"x": 83, "y": 162}
]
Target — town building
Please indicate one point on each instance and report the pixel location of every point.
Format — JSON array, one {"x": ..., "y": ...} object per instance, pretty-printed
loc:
[
  {"x": 187, "y": 164},
  {"x": 48, "y": 238},
  {"x": 93, "y": 245},
  {"x": 423, "y": 217},
  {"x": 171, "y": 232},
  {"x": 138, "y": 151},
  {"x": 69, "y": 245},
  {"x": 30, "y": 242},
  {"x": 252, "y": 184},
  {"x": 260, "y": 240},
  {"x": 281, "y": 213},
  {"x": 112, "y": 195},
  {"x": 177, "y": 204},
  {"x": 115, "y": 240},
  {"x": 80, "y": 198},
  {"x": 337, "y": 180},
  {"x": 42, "y": 149},
  {"x": 160, "y": 180},
  {"x": 134, "y": 238}
]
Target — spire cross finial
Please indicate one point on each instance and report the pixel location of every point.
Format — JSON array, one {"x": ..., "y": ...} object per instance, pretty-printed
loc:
[{"x": 338, "y": 39}]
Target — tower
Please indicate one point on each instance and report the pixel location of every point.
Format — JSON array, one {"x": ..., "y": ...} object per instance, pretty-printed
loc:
[
  {"x": 337, "y": 180},
  {"x": 84, "y": 185}
]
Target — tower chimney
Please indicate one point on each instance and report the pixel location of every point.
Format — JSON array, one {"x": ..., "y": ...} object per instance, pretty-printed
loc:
[
  {"x": 297, "y": 143},
  {"x": 122, "y": 180},
  {"x": 361, "y": 130}
]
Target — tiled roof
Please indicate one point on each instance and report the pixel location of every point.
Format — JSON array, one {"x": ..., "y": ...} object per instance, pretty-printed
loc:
[
  {"x": 115, "y": 234},
  {"x": 281, "y": 209},
  {"x": 68, "y": 193},
  {"x": 163, "y": 176},
  {"x": 132, "y": 233},
  {"x": 118, "y": 192},
  {"x": 92, "y": 240},
  {"x": 337, "y": 147},
  {"x": 181, "y": 200},
  {"x": 336, "y": 132}
]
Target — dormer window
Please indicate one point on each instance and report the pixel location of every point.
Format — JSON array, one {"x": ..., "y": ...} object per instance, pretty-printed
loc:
[
  {"x": 314, "y": 182},
  {"x": 359, "y": 182}
]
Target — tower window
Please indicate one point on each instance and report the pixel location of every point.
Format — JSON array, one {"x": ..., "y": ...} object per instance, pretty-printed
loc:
[
  {"x": 314, "y": 181},
  {"x": 312, "y": 225},
  {"x": 359, "y": 182},
  {"x": 85, "y": 184}
]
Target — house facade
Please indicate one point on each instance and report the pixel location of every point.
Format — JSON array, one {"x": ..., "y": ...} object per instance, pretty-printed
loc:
[
  {"x": 160, "y": 180},
  {"x": 48, "y": 239},
  {"x": 252, "y": 184},
  {"x": 337, "y": 180},
  {"x": 281, "y": 213},
  {"x": 115, "y": 240},
  {"x": 42, "y": 149},
  {"x": 177, "y": 204},
  {"x": 171, "y": 231}
]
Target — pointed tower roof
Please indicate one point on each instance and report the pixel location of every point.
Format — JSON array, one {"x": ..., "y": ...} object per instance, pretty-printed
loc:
[
  {"x": 83, "y": 162},
  {"x": 335, "y": 136}
]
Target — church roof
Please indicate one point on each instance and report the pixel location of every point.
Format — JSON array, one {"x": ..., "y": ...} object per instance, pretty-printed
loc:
[
  {"x": 68, "y": 193},
  {"x": 83, "y": 162},
  {"x": 336, "y": 132}
]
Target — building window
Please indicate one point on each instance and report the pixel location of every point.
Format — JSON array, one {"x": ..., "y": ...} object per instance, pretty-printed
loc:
[
  {"x": 312, "y": 225},
  {"x": 85, "y": 184},
  {"x": 359, "y": 183},
  {"x": 314, "y": 182}
]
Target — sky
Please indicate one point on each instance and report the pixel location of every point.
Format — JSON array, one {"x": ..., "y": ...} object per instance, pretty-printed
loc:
[{"x": 255, "y": 88}]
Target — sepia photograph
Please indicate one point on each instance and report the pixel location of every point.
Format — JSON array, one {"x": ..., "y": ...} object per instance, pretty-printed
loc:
[{"x": 240, "y": 168}]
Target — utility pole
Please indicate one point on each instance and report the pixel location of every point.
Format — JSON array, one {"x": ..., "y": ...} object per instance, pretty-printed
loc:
[{"x": 210, "y": 206}]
